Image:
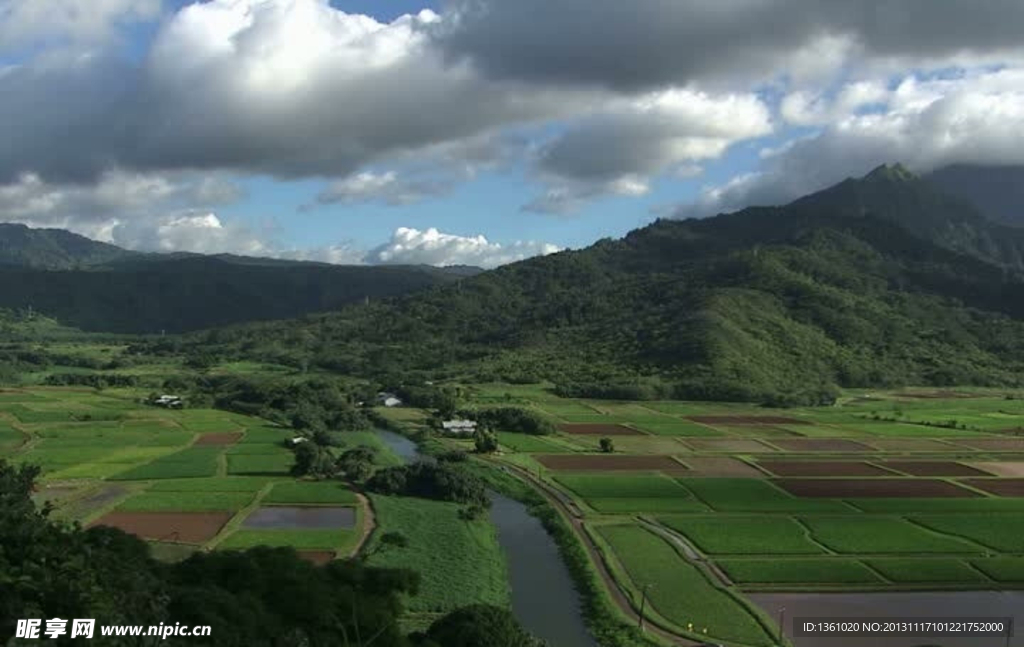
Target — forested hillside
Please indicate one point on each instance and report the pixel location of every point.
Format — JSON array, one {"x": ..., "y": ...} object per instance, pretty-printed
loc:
[
  {"x": 873, "y": 282},
  {"x": 153, "y": 293},
  {"x": 52, "y": 249}
]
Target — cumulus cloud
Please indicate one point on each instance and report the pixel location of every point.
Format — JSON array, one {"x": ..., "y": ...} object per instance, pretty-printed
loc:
[
  {"x": 409, "y": 246},
  {"x": 650, "y": 43},
  {"x": 976, "y": 118},
  {"x": 284, "y": 87},
  {"x": 141, "y": 211},
  {"x": 620, "y": 148},
  {"x": 202, "y": 233}
]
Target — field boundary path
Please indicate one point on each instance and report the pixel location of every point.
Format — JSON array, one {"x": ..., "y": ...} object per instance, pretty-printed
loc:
[
  {"x": 369, "y": 523},
  {"x": 567, "y": 508},
  {"x": 696, "y": 558}
]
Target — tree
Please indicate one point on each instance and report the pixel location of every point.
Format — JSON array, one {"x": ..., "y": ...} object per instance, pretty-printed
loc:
[
  {"x": 485, "y": 441},
  {"x": 357, "y": 463},
  {"x": 447, "y": 404},
  {"x": 607, "y": 445},
  {"x": 388, "y": 541},
  {"x": 313, "y": 460},
  {"x": 479, "y": 625}
]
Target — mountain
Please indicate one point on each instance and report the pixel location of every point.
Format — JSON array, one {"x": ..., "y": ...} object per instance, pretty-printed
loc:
[
  {"x": 98, "y": 287},
  {"x": 877, "y": 281},
  {"x": 895, "y": 194},
  {"x": 52, "y": 249},
  {"x": 996, "y": 191}
]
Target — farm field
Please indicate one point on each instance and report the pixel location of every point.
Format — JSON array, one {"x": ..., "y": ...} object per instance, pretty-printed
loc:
[
  {"x": 185, "y": 480},
  {"x": 460, "y": 561},
  {"x": 883, "y": 492}
]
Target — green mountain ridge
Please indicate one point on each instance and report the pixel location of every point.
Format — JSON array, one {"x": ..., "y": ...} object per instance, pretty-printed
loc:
[
  {"x": 870, "y": 283},
  {"x": 997, "y": 191},
  {"x": 102, "y": 288},
  {"x": 53, "y": 249}
]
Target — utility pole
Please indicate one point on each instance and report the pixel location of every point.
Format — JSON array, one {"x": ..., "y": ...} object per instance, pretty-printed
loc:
[
  {"x": 643, "y": 603},
  {"x": 782, "y": 625}
]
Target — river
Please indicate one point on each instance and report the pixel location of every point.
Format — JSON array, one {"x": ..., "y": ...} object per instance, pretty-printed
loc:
[{"x": 544, "y": 598}]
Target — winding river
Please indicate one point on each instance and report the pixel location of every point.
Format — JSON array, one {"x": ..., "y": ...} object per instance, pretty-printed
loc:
[{"x": 544, "y": 598}]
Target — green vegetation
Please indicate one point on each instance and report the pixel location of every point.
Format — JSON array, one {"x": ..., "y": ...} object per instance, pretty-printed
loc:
[
  {"x": 827, "y": 571},
  {"x": 190, "y": 462},
  {"x": 923, "y": 571},
  {"x": 528, "y": 443},
  {"x": 863, "y": 534},
  {"x": 342, "y": 540},
  {"x": 186, "y": 501},
  {"x": 1001, "y": 569},
  {"x": 216, "y": 484},
  {"x": 680, "y": 592},
  {"x": 460, "y": 561},
  {"x": 310, "y": 492},
  {"x": 1002, "y": 532},
  {"x": 743, "y": 535},
  {"x": 753, "y": 495},
  {"x": 631, "y": 494},
  {"x": 276, "y": 464}
]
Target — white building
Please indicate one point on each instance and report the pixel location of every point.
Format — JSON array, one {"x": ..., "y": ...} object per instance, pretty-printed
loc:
[
  {"x": 389, "y": 400},
  {"x": 169, "y": 401},
  {"x": 458, "y": 427}
]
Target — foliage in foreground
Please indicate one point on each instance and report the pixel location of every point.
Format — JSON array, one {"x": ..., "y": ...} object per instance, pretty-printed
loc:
[{"x": 266, "y": 597}]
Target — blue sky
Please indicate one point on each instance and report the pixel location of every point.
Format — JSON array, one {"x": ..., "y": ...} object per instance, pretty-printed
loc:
[{"x": 482, "y": 131}]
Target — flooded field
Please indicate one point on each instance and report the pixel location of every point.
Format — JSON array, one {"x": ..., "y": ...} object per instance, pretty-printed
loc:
[{"x": 301, "y": 518}]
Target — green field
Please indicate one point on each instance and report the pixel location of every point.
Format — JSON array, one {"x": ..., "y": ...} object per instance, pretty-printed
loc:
[
  {"x": 310, "y": 493},
  {"x": 1001, "y": 532},
  {"x": 460, "y": 561},
  {"x": 186, "y": 501},
  {"x": 341, "y": 540},
  {"x": 679, "y": 591},
  {"x": 924, "y": 571},
  {"x": 810, "y": 571},
  {"x": 275, "y": 464},
  {"x": 863, "y": 534},
  {"x": 752, "y": 495},
  {"x": 636, "y": 493},
  {"x": 732, "y": 535}
]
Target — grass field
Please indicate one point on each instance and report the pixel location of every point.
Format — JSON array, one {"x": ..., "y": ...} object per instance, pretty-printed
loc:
[
  {"x": 721, "y": 535},
  {"x": 811, "y": 571},
  {"x": 275, "y": 464},
  {"x": 186, "y": 501},
  {"x": 862, "y": 534},
  {"x": 310, "y": 493},
  {"x": 342, "y": 540},
  {"x": 752, "y": 495},
  {"x": 680, "y": 592},
  {"x": 924, "y": 571},
  {"x": 1000, "y": 532},
  {"x": 634, "y": 493},
  {"x": 460, "y": 561}
]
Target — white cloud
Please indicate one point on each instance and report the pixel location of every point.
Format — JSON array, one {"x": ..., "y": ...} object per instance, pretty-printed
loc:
[
  {"x": 387, "y": 187},
  {"x": 976, "y": 118},
  {"x": 202, "y": 233},
  {"x": 291, "y": 88},
  {"x": 410, "y": 246},
  {"x": 24, "y": 22},
  {"x": 141, "y": 211}
]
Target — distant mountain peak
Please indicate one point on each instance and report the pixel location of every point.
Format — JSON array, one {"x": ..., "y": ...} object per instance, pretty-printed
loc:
[{"x": 891, "y": 173}]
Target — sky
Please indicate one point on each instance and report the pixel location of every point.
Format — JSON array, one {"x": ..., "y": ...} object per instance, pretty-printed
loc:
[{"x": 477, "y": 132}]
